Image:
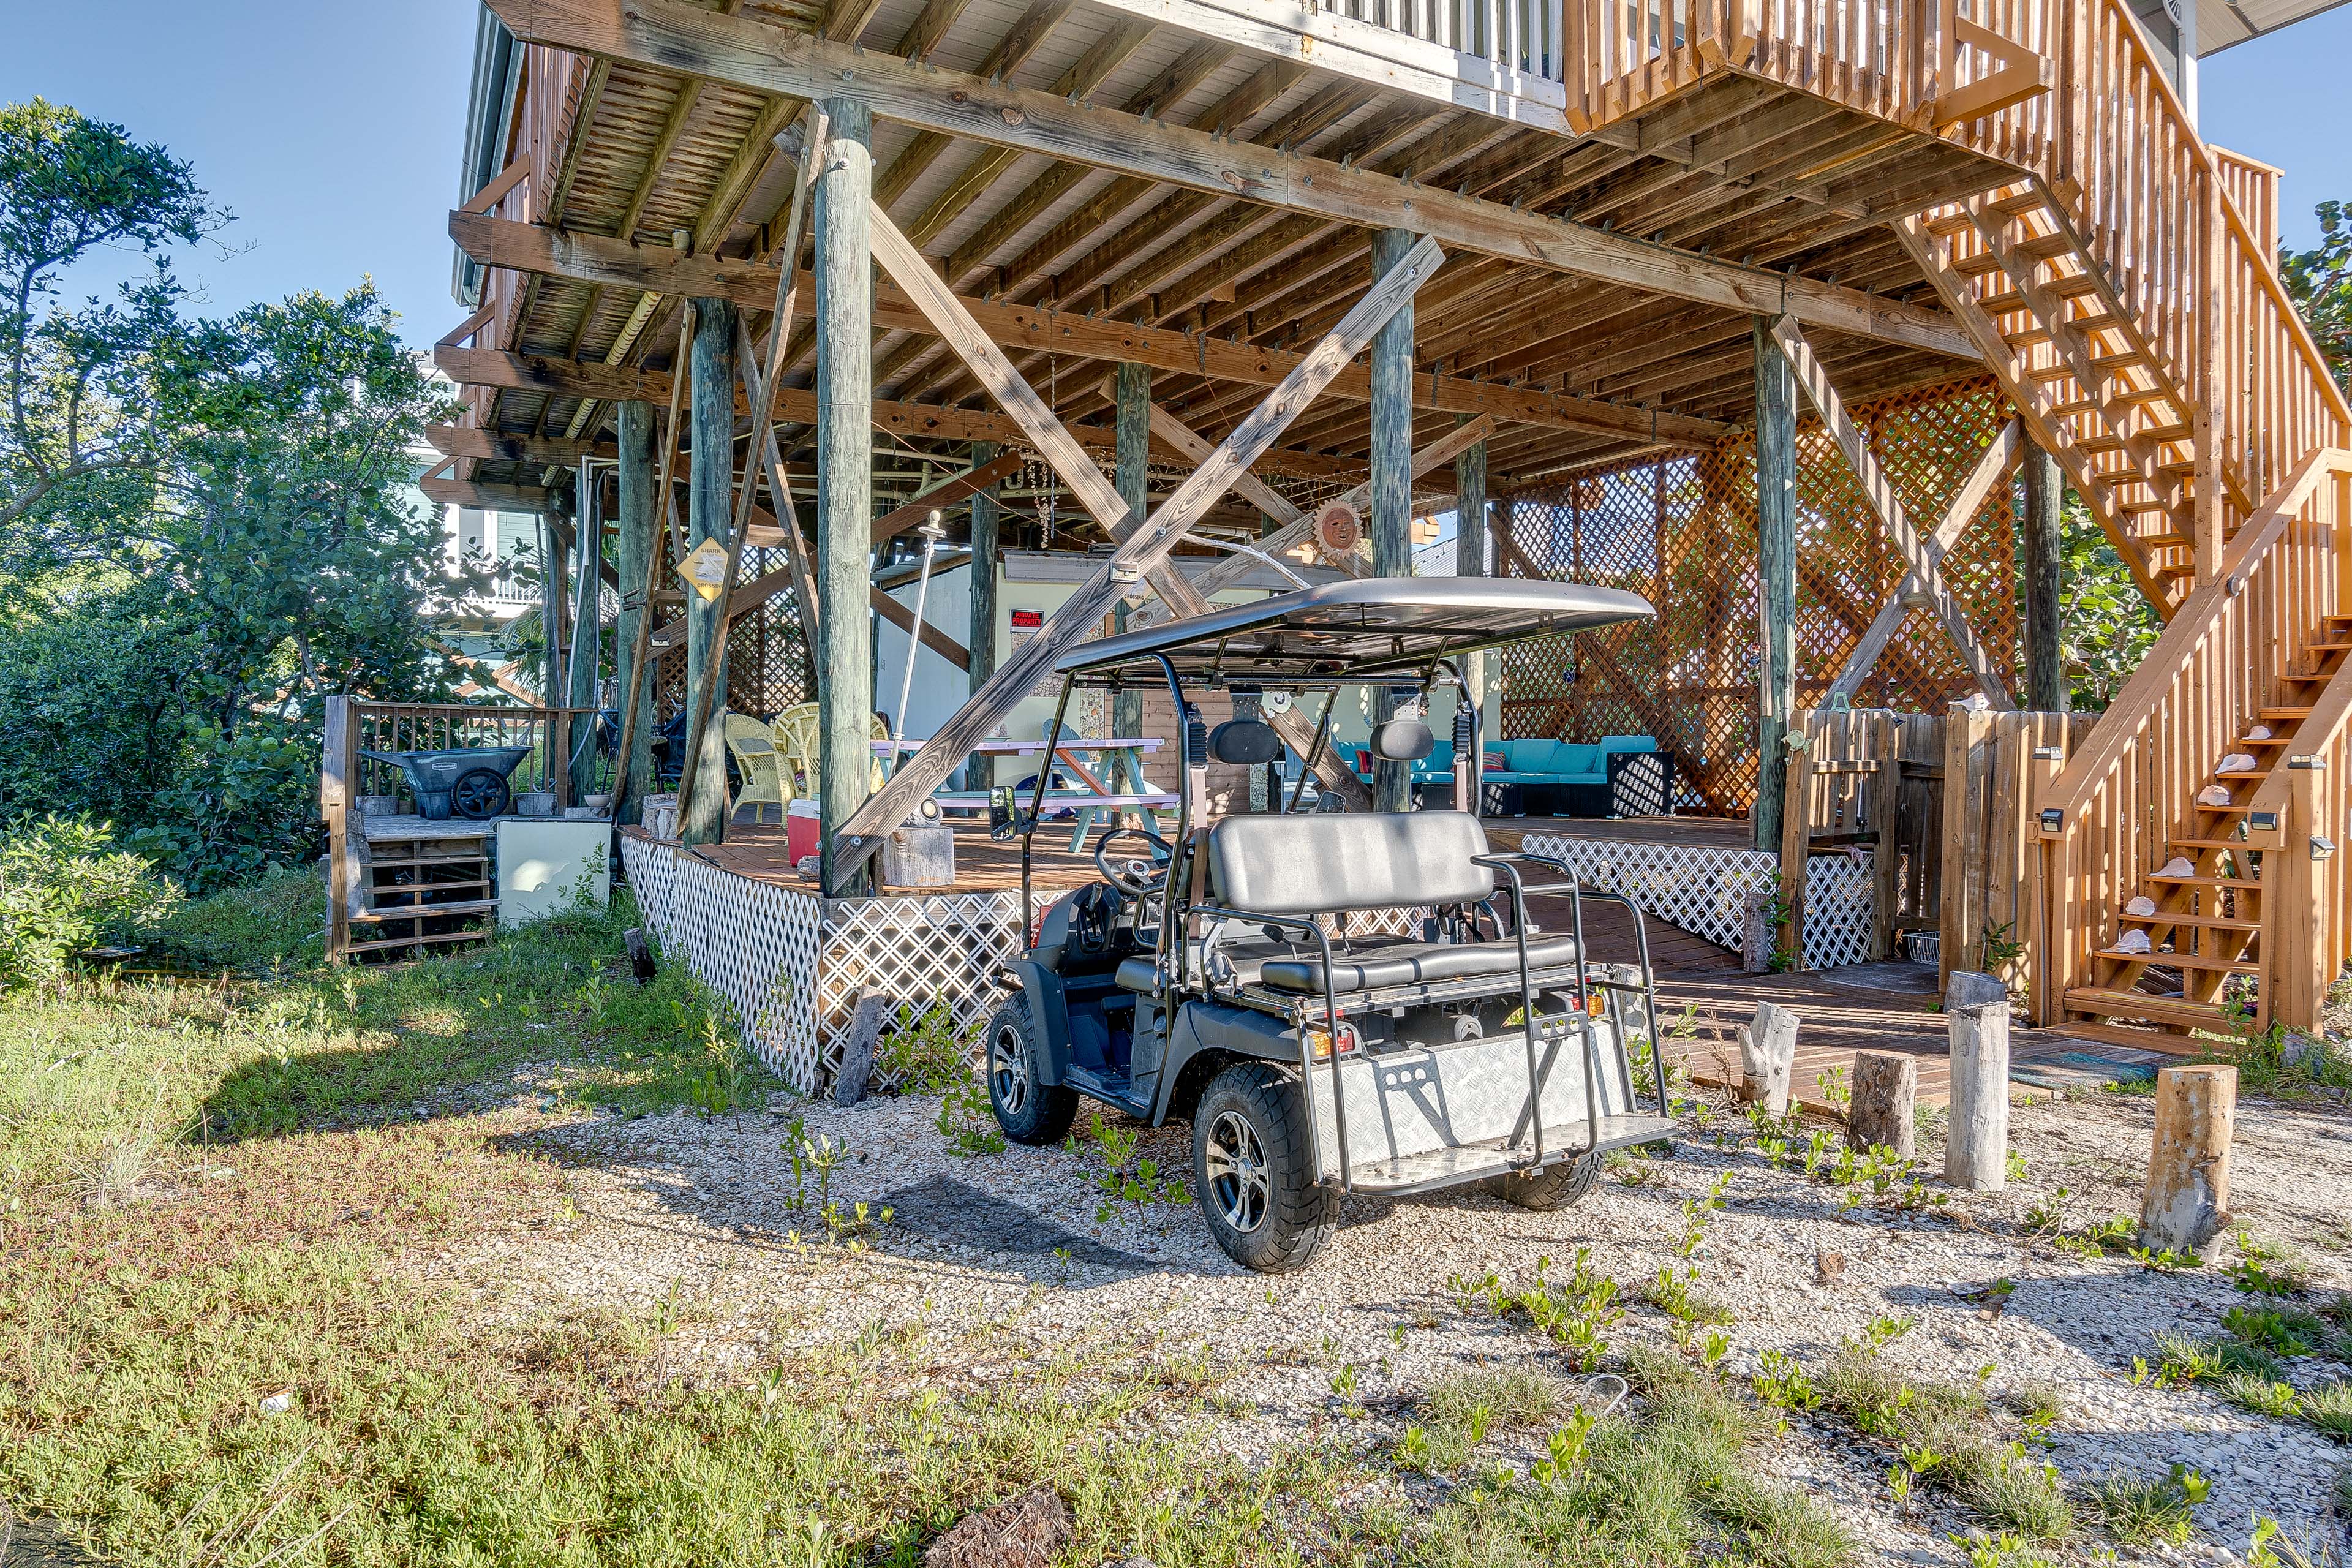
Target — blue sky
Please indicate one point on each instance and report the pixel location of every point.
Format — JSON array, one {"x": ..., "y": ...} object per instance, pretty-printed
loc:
[{"x": 331, "y": 130}]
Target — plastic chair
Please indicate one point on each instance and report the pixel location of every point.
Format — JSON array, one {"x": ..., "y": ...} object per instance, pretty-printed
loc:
[
  {"x": 794, "y": 734},
  {"x": 756, "y": 762}
]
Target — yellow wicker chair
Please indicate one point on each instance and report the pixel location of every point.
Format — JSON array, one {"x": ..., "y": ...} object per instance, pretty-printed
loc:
[
  {"x": 795, "y": 734},
  {"x": 764, "y": 784}
]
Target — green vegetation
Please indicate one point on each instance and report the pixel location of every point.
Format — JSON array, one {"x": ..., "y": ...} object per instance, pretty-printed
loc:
[
  {"x": 204, "y": 528},
  {"x": 63, "y": 887}
]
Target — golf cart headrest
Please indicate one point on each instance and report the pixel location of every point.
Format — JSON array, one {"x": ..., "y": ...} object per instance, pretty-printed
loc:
[
  {"x": 1244, "y": 742},
  {"x": 1403, "y": 741}
]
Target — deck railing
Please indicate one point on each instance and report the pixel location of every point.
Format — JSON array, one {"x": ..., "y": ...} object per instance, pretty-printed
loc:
[{"x": 2110, "y": 817}]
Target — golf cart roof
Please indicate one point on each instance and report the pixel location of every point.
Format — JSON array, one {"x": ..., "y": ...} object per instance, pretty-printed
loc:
[{"x": 1359, "y": 629}]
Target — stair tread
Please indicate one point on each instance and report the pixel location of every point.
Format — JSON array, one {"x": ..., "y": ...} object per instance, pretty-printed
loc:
[
  {"x": 2187, "y": 960},
  {"x": 2248, "y": 884},
  {"x": 2202, "y": 922},
  {"x": 2105, "y": 1003},
  {"x": 2209, "y": 843},
  {"x": 433, "y": 939},
  {"x": 2166, "y": 1041}
]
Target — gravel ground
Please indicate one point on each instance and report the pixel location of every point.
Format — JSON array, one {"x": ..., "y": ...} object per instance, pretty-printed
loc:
[{"x": 702, "y": 1214}]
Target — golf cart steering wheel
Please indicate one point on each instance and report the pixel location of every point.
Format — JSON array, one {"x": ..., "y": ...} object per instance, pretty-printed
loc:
[{"x": 1136, "y": 879}]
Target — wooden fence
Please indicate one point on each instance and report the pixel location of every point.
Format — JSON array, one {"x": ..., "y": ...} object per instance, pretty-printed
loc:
[{"x": 1943, "y": 804}]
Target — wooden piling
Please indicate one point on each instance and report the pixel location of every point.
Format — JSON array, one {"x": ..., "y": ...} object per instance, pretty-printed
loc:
[
  {"x": 1132, "y": 432},
  {"x": 979, "y": 639},
  {"x": 1767, "y": 1057},
  {"x": 1885, "y": 1095},
  {"x": 1391, "y": 520},
  {"x": 710, "y": 501},
  {"x": 2046, "y": 486},
  {"x": 1976, "y": 1148},
  {"x": 2187, "y": 1203},
  {"x": 1775, "y": 565},
  {"x": 844, "y": 463},
  {"x": 638, "y": 536}
]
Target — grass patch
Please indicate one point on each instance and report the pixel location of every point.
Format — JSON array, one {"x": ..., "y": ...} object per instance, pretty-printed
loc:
[
  {"x": 277, "y": 923},
  {"x": 1460, "y": 1410},
  {"x": 1671, "y": 1481},
  {"x": 2139, "y": 1511},
  {"x": 1942, "y": 1431}
]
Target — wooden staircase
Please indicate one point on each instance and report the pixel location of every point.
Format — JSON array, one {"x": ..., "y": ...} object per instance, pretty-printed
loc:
[{"x": 2093, "y": 385}]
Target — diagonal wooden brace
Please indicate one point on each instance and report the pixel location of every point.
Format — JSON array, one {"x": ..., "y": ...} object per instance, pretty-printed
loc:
[
  {"x": 1144, "y": 544},
  {"x": 1921, "y": 567},
  {"x": 1999, "y": 462}
]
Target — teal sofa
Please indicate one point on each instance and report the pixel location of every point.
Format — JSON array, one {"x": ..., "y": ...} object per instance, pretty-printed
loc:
[{"x": 1621, "y": 775}]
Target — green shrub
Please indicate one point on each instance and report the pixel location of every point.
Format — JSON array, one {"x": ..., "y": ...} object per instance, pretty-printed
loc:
[{"x": 64, "y": 886}]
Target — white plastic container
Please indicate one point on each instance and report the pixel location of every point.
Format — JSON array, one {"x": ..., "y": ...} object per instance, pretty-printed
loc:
[{"x": 549, "y": 867}]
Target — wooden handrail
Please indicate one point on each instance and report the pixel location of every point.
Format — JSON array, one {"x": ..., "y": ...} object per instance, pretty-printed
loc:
[{"x": 2135, "y": 707}]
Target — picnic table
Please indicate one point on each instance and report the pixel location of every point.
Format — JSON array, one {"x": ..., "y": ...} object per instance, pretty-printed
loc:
[{"x": 1096, "y": 801}]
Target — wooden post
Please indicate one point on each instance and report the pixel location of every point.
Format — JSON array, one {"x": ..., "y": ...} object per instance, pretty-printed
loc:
[
  {"x": 2296, "y": 975},
  {"x": 1767, "y": 1057},
  {"x": 587, "y": 643},
  {"x": 1776, "y": 570},
  {"x": 1885, "y": 787},
  {"x": 1796, "y": 846},
  {"x": 1391, "y": 521},
  {"x": 1968, "y": 768},
  {"x": 980, "y": 637},
  {"x": 844, "y": 463},
  {"x": 1882, "y": 1113},
  {"x": 335, "y": 801},
  {"x": 710, "y": 496},
  {"x": 1470, "y": 561},
  {"x": 550, "y": 615},
  {"x": 1976, "y": 1150},
  {"x": 2187, "y": 1203},
  {"x": 2037, "y": 926},
  {"x": 2046, "y": 486},
  {"x": 639, "y": 537},
  {"x": 1132, "y": 402}
]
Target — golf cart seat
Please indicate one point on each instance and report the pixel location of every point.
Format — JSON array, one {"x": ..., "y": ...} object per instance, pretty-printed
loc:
[{"x": 1303, "y": 866}]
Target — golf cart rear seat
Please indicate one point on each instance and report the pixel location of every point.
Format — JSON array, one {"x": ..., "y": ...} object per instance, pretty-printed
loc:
[{"x": 1299, "y": 867}]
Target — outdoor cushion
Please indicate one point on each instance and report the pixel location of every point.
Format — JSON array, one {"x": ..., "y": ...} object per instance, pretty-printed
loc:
[
  {"x": 1576, "y": 759},
  {"x": 1409, "y": 963},
  {"x": 1629, "y": 743}
]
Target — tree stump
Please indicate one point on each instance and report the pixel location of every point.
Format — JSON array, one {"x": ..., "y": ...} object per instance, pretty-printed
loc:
[
  {"x": 1976, "y": 1151},
  {"x": 1767, "y": 1057},
  {"x": 1756, "y": 935},
  {"x": 1886, "y": 1090},
  {"x": 2188, "y": 1200}
]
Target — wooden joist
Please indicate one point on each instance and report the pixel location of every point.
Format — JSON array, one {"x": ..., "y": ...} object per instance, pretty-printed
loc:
[
  {"x": 526, "y": 247},
  {"x": 511, "y": 447},
  {"x": 746, "y": 51},
  {"x": 487, "y": 497}
]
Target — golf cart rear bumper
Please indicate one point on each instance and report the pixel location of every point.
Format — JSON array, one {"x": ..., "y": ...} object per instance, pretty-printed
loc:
[{"x": 1453, "y": 1167}]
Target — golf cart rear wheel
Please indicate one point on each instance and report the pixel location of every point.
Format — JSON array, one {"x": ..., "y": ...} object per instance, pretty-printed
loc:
[
  {"x": 1250, "y": 1175},
  {"x": 479, "y": 795},
  {"x": 1553, "y": 1187},
  {"x": 1029, "y": 1112}
]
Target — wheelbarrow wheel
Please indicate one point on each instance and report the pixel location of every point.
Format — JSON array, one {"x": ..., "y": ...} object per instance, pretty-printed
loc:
[
  {"x": 479, "y": 795},
  {"x": 1553, "y": 1187}
]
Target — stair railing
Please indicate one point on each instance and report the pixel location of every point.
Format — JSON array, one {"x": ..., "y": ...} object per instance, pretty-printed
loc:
[{"x": 2109, "y": 817}]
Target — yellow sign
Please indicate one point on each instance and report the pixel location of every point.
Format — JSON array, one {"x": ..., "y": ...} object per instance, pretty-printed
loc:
[{"x": 705, "y": 569}]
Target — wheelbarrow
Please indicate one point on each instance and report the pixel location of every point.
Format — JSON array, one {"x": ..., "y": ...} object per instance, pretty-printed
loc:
[{"x": 469, "y": 782}]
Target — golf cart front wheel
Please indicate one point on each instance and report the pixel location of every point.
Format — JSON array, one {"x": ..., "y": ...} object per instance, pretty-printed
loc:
[
  {"x": 1554, "y": 1188},
  {"x": 1250, "y": 1175},
  {"x": 1029, "y": 1112},
  {"x": 479, "y": 795}
]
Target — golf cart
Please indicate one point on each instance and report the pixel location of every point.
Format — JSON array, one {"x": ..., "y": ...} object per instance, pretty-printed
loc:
[{"x": 1216, "y": 977}]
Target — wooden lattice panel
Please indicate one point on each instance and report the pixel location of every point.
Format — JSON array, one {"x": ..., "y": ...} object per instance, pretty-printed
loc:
[
  {"x": 1704, "y": 889},
  {"x": 767, "y": 661},
  {"x": 1680, "y": 530}
]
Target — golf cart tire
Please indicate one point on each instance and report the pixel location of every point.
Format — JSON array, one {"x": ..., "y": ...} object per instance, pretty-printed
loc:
[
  {"x": 1041, "y": 1113},
  {"x": 1294, "y": 1217},
  {"x": 1553, "y": 1187}
]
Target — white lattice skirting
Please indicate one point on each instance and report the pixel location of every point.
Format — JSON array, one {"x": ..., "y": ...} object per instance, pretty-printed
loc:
[{"x": 1703, "y": 888}]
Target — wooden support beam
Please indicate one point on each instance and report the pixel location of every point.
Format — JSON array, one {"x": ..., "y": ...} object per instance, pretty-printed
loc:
[
  {"x": 487, "y": 498},
  {"x": 1876, "y": 489},
  {"x": 938, "y": 641},
  {"x": 1143, "y": 549},
  {"x": 673, "y": 36},
  {"x": 702, "y": 785},
  {"x": 509, "y": 446},
  {"x": 2045, "y": 487},
  {"x": 638, "y": 543},
  {"x": 525, "y": 247},
  {"x": 1993, "y": 468}
]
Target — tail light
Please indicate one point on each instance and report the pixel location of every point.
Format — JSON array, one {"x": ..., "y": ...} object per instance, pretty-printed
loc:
[
  {"x": 1319, "y": 1039},
  {"x": 1596, "y": 1002}
]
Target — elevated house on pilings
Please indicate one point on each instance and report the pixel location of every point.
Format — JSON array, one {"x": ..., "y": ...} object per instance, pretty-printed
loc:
[{"x": 1758, "y": 308}]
